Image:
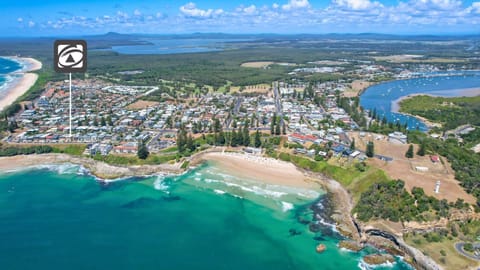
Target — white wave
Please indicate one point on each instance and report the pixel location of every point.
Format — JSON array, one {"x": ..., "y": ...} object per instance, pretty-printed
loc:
[
  {"x": 345, "y": 250},
  {"x": 322, "y": 221},
  {"x": 365, "y": 266},
  {"x": 236, "y": 196},
  {"x": 9, "y": 79},
  {"x": 66, "y": 168},
  {"x": 309, "y": 194},
  {"x": 209, "y": 180},
  {"x": 286, "y": 206},
  {"x": 197, "y": 178},
  {"x": 257, "y": 190},
  {"x": 362, "y": 265},
  {"x": 159, "y": 184},
  {"x": 218, "y": 191}
]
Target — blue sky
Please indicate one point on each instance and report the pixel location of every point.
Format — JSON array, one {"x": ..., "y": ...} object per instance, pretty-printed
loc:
[{"x": 68, "y": 17}]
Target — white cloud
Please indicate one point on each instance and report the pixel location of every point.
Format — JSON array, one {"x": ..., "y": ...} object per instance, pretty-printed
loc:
[
  {"x": 121, "y": 14},
  {"x": 292, "y": 16},
  {"x": 296, "y": 4},
  {"x": 191, "y": 10},
  {"x": 250, "y": 9},
  {"x": 439, "y": 4},
  {"x": 475, "y": 8},
  {"x": 356, "y": 4}
]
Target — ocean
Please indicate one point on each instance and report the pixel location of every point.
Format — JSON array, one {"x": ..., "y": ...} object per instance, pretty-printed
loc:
[
  {"x": 381, "y": 96},
  {"x": 7, "y": 66},
  {"x": 59, "y": 217}
]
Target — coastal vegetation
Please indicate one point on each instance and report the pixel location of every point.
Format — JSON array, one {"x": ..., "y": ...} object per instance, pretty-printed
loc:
[
  {"x": 390, "y": 201},
  {"x": 463, "y": 161},
  {"x": 131, "y": 160},
  {"x": 440, "y": 244},
  {"x": 9, "y": 151},
  {"x": 450, "y": 112}
]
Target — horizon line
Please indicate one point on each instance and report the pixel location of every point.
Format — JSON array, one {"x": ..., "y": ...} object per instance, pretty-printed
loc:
[{"x": 446, "y": 34}]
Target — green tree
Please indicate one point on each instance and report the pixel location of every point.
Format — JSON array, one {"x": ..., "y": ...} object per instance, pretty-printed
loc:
[
  {"x": 421, "y": 150},
  {"x": 216, "y": 126},
  {"x": 109, "y": 120},
  {"x": 234, "y": 138},
  {"x": 352, "y": 144},
  {"x": 370, "y": 149},
  {"x": 284, "y": 129},
  {"x": 182, "y": 139},
  {"x": 246, "y": 134},
  {"x": 409, "y": 153},
  {"x": 258, "y": 141},
  {"x": 142, "y": 152},
  {"x": 103, "y": 122},
  {"x": 277, "y": 128},
  {"x": 95, "y": 122},
  {"x": 272, "y": 124},
  {"x": 190, "y": 144},
  {"x": 221, "y": 138}
]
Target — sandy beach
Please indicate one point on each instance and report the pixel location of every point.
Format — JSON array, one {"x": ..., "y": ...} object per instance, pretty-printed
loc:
[
  {"x": 270, "y": 171},
  {"x": 22, "y": 81}
]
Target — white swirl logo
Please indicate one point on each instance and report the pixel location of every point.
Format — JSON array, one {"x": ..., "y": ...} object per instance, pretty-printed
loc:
[{"x": 70, "y": 56}]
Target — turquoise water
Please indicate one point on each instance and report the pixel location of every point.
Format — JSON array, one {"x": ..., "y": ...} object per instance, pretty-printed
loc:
[
  {"x": 382, "y": 95},
  {"x": 7, "y": 66},
  {"x": 60, "y": 218}
]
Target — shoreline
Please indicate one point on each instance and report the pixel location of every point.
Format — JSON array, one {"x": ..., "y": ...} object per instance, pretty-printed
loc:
[
  {"x": 102, "y": 171},
  {"x": 22, "y": 80},
  {"x": 464, "y": 92},
  {"x": 259, "y": 168},
  {"x": 345, "y": 223}
]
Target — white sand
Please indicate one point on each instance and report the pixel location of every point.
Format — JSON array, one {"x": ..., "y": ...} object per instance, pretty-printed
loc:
[
  {"x": 268, "y": 170},
  {"x": 21, "y": 85}
]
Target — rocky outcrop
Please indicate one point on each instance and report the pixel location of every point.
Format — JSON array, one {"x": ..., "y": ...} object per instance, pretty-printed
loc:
[
  {"x": 320, "y": 248},
  {"x": 351, "y": 245},
  {"x": 99, "y": 169},
  {"x": 418, "y": 259},
  {"x": 377, "y": 259}
]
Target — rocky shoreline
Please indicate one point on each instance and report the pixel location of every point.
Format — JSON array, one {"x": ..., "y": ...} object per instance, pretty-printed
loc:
[
  {"x": 101, "y": 170},
  {"x": 361, "y": 235},
  {"x": 334, "y": 209}
]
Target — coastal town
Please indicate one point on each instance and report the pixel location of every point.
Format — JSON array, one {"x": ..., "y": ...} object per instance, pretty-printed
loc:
[
  {"x": 113, "y": 118},
  {"x": 295, "y": 132}
]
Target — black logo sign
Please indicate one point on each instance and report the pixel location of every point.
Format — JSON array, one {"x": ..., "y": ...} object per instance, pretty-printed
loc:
[{"x": 70, "y": 56}]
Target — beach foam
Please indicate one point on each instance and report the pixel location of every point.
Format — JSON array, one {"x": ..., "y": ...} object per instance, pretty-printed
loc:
[
  {"x": 365, "y": 266},
  {"x": 218, "y": 191},
  {"x": 286, "y": 206},
  {"x": 159, "y": 184}
]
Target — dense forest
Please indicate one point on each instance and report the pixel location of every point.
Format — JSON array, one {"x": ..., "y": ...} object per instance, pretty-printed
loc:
[
  {"x": 390, "y": 200},
  {"x": 450, "y": 112}
]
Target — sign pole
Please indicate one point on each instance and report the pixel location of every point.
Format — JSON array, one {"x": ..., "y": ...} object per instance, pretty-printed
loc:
[
  {"x": 70, "y": 88},
  {"x": 70, "y": 56}
]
